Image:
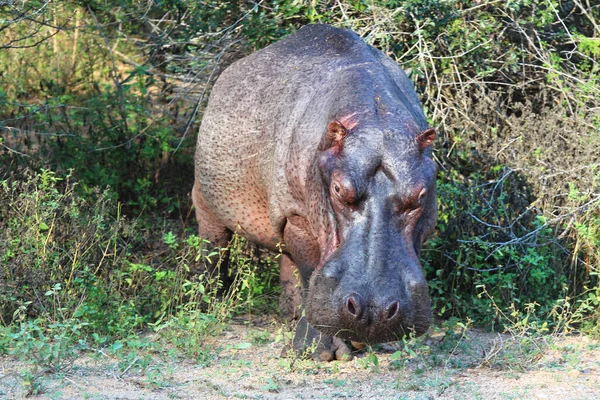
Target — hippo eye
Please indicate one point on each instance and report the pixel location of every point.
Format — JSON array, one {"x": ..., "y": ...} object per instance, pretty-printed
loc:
[
  {"x": 408, "y": 209},
  {"x": 343, "y": 191},
  {"x": 337, "y": 191},
  {"x": 411, "y": 206}
]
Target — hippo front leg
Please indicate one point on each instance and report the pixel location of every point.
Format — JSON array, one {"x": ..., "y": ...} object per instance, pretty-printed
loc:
[
  {"x": 310, "y": 342},
  {"x": 290, "y": 301},
  {"x": 305, "y": 252}
]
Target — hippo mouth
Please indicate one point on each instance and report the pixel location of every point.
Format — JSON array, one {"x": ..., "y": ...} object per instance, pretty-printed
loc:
[
  {"x": 370, "y": 319},
  {"x": 368, "y": 330}
]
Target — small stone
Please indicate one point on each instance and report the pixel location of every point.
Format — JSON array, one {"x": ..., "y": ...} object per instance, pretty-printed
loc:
[{"x": 574, "y": 373}]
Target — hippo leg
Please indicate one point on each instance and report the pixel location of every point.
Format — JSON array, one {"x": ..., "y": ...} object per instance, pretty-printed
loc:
[
  {"x": 305, "y": 250},
  {"x": 211, "y": 229},
  {"x": 290, "y": 300},
  {"x": 310, "y": 342}
]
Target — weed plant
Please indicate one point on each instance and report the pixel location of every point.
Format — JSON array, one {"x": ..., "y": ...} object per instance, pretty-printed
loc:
[{"x": 73, "y": 279}]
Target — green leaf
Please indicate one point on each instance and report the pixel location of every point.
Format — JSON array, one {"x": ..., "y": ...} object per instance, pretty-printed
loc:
[
  {"x": 242, "y": 346},
  {"x": 373, "y": 359}
]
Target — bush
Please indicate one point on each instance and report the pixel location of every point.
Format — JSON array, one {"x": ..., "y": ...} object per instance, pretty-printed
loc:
[
  {"x": 54, "y": 245},
  {"x": 493, "y": 250},
  {"x": 76, "y": 275}
]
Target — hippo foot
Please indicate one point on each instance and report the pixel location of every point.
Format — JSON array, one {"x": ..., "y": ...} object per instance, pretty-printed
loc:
[{"x": 310, "y": 343}]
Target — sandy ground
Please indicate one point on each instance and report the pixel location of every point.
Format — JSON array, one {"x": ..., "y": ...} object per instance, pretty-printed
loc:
[{"x": 245, "y": 363}]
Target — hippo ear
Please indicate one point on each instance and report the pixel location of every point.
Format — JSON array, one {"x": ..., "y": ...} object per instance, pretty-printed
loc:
[
  {"x": 425, "y": 139},
  {"x": 336, "y": 132}
]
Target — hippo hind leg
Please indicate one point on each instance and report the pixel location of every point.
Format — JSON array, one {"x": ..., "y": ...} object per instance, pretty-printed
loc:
[{"x": 211, "y": 229}]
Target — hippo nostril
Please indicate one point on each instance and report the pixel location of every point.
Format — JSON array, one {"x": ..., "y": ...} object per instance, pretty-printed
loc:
[
  {"x": 392, "y": 310},
  {"x": 354, "y": 305},
  {"x": 351, "y": 306}
]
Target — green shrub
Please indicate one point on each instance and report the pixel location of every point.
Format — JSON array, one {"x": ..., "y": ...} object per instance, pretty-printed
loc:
[
  {"x": 54, "y": 246},
  {"x": 75, "y": 275},
  {"x": 489, "y": 245}
]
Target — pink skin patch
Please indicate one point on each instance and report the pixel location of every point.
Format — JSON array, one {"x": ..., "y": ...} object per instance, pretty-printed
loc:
[
  {"x": 349, "y": 121},
  {"x": 329, "y": 242},
  {"x": 412, "y": 211},
  {"x": 329, "y": 249}
]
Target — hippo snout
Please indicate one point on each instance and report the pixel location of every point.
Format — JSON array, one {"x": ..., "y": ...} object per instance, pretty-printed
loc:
[{"x": 370, "y": 314}]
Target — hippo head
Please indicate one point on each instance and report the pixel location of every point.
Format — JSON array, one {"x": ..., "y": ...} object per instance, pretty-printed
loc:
[{"x": 379, "y": 185}]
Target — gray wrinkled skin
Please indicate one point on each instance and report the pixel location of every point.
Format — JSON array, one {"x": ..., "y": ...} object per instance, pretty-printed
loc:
[{"x": 317, "y": 142}]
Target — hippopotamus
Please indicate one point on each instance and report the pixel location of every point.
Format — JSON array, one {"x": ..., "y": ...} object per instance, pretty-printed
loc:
[{"x": 317, "y": 147}]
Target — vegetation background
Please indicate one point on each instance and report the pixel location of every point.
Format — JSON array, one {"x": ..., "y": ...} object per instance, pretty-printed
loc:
[{"x": 100, "y": 102}]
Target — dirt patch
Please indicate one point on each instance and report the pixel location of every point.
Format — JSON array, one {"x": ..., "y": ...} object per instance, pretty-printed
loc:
[{"x": 244, "y": 362}]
